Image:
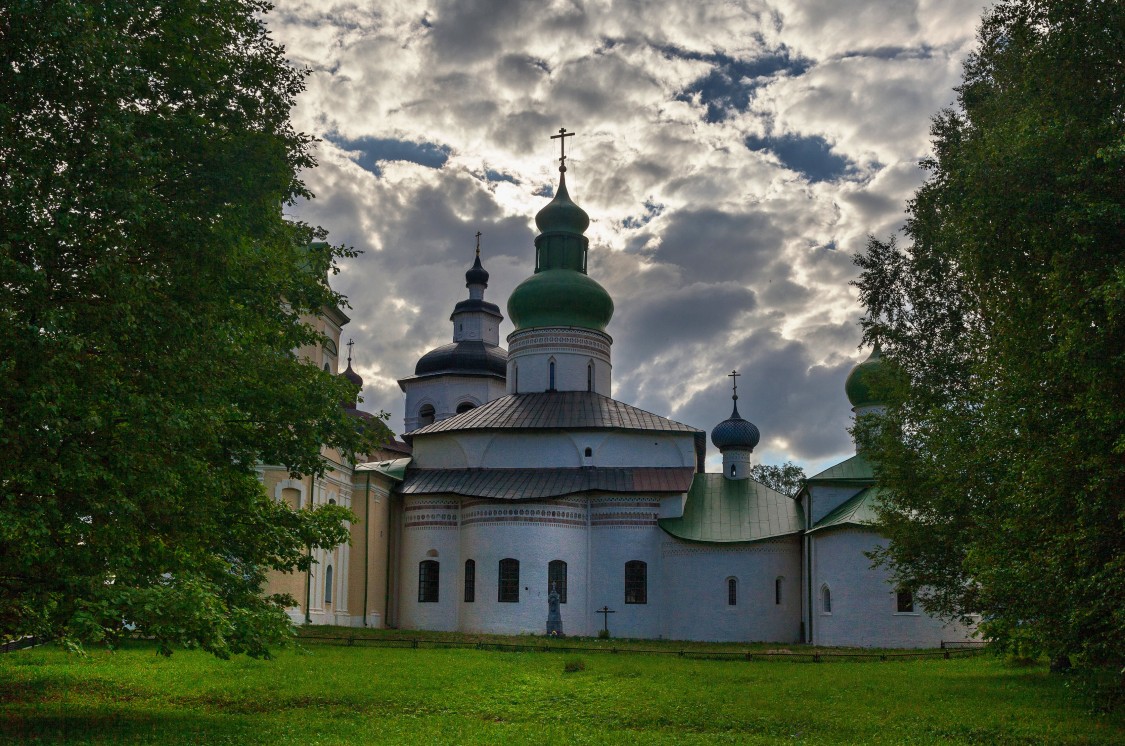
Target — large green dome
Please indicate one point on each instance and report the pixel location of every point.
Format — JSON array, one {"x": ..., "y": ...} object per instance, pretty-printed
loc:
[
  {"x": 560, "y": 297},
  {"x": 560, "y": 293},
  {"x": 858, "y": 386}
]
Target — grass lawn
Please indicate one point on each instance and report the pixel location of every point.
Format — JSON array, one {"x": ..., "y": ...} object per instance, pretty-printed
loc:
[{"x": 326, "y": 694}]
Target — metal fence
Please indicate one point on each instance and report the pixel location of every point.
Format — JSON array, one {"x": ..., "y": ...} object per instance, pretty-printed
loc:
[{"x": 948, "y": 649}]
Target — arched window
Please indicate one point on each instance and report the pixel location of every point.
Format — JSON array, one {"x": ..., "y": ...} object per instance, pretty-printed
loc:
[
  {"x": 327, "y": 369},
  {"x": 777, "y": 591},
  {"x": 551, "y": 382},
  {"x": 589, "y": 452},
  {"x": 331, "y": 501},
  {"x": 556, "y": 579},
  {"x": 428, "y": 581},
  {"x": 470, "y": 581},
  {"x": 636, "y": 582},
  {"x": 508, "y": 589},
  {"x": 465, "y": 406},
  {"x": 590, "y": 376},
  {"x": 825, "y": 600},
  {"x": 426, "y": 415},
  {"x": 515, "y": 378},
  {"x": 732, "y": 591},
  {"x": 904, "y": 599},
  {"x": 733, "y": 470},
  {"x": 328, "y": 584}
]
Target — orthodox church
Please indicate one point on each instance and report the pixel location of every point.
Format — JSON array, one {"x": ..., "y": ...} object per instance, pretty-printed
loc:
[{"x": 521, "y": 476}]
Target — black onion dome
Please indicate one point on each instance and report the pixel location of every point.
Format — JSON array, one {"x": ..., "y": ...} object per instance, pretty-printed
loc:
[
  {"x": 735, "y": 433},
  {"x": 352, "y": 376},
  {"x": 477, "y": 275},
  {"x": 464, "y": 358}
]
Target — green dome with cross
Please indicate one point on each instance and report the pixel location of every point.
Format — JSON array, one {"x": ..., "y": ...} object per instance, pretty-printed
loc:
[{"x": 560, "y": 293}]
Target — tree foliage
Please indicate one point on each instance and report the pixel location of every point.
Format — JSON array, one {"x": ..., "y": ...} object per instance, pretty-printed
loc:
[
  {"x": 150, "y": 299},
  {"x": 786, "y": 478},
  {"x": 1002, "y": 319}
]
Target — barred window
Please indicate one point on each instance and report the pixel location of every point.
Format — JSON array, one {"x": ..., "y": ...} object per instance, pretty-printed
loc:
[
  {"x": 428, "y": 581},
  {"x": 636, "y": 582},
  {"x": 508, "y": 590},
  {"x": 732, "y": 591},
  {"x": 470, "y": 581},
  {"x": 556, "y": 579}
]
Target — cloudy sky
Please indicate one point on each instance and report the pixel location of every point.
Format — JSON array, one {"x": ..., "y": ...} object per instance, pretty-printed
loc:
[{"x": 732, "y": 156}]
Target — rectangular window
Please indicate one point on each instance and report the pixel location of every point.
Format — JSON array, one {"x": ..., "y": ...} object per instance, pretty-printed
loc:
[
  {"x": 470, "y": 581},
  {"x": 777, "y": 592},
  {"x": 428, "y": 581},
  {"x": 556, "y": 579},
  {"x": 508, "y": 590},
  {"x": 636, "y": 582},
  {"x": 904, "y": 601}
]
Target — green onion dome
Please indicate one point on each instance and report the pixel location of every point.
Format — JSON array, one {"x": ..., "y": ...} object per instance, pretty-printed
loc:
[
  {"x": 560, "y": 297},
  {"x": 561, "y": 214},
  {"x": 560, "y": 293},
  {"x": 735, "y": 432},
  {"x": 858, "y": 386}
]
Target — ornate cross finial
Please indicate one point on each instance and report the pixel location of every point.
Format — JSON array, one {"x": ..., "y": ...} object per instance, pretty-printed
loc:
[
  {"x": 350, "y": 343},
  {"x": 733, "y": 376},
  {"x": 478, "y": 244},
  {"x": 561, "y": 137}
]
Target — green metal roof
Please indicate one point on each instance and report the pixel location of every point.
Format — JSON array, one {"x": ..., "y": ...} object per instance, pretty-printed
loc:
[
  {"x": 395, "y": 469},
  {"x": 858, "y": 510},
  {"x": 729, "y": 511},
  {"x": 855, "y": 469}
]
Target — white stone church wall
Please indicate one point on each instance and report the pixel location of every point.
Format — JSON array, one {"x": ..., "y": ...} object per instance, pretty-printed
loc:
[
  {"x": 534, "y": 533},
  {"x": 446, "y": 393},
  {"x": 864, "y": 611},
  {"x": 430, "y": 531},
  {"x": 826, "y": 498},
  {"x": 624, "y": 528},
  {"x": 696, "y": 591}
]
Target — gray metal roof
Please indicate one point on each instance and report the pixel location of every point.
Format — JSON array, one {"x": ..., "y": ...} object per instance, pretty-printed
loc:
[
  {"x": 733, "y": 511},
  {"x": 858, "y": 510},
  {"x": 571, "y": 410},
  {"x": 464, "y": 358},
  {"x": 526, "y": 484}
]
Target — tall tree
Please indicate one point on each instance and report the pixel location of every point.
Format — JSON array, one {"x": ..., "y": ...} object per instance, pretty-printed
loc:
[
  {"x": 1004, "y": 319},
  {"x": 785, "y": 478},
  {"x": 150, "y": 299}
]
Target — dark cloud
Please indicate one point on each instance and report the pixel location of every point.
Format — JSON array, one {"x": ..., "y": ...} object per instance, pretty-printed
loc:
[
  {"x": 712, "y": 245},
  {"x": 811, "y": 156},
  {"x": 374, "y": 150},
  {"x": 729, "y": 84}
]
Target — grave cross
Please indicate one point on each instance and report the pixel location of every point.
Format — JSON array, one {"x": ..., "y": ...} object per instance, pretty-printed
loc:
[{"x": 605, "y": 611}]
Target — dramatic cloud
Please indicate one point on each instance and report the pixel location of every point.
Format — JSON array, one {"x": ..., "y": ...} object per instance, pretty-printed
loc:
[{"x": 732, "y": 157}]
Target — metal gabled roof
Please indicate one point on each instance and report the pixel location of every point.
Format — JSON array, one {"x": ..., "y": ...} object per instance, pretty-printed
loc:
[
  {"x": 564, "y": 410},
  {"x": 525, "y": 484},
  {"x": 857, "y": 510},
  {"x": 729, "y": 511},
  {"x": 395, "y": 468},
  {"x": 855, "y": 469}
]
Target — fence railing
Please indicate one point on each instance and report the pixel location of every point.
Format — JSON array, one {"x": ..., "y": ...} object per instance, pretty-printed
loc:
[
  {"x": 946, "y": 651},
  {"x": 21, "y": 644}
]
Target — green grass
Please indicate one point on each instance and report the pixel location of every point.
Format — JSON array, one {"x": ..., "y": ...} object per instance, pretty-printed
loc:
[{"x": 336, "y": 695}]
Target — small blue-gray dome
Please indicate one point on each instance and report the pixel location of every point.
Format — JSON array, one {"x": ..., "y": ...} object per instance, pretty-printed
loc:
[{"x": 735, "y": 432}]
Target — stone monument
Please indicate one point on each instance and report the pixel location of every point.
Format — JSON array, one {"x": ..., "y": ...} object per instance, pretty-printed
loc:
[{"x": 554, "y": 617}]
